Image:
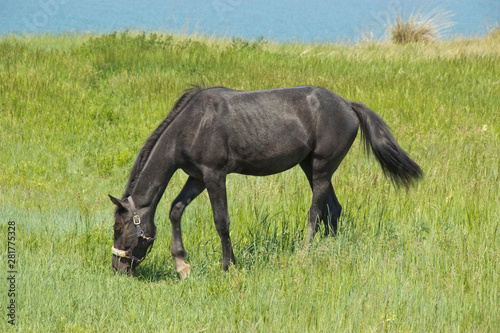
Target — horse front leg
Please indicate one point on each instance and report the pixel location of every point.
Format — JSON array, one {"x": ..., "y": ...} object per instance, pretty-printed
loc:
[
  {"x": 189, "y": 192},
  {"x": 216, "y": 187}
]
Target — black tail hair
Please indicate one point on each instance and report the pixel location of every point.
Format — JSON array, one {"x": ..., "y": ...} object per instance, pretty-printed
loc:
[{"x": 396, "y": 164}]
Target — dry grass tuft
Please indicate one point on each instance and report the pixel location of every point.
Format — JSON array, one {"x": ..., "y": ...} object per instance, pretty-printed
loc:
[
  {"x": 494, "y": 32},
  {"x": 419, "y": 28}
]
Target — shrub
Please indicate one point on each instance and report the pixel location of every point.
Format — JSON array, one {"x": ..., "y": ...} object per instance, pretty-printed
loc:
[{"x": 419, "y": 28}]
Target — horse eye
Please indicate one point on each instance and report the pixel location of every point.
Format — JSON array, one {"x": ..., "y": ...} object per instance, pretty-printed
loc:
[{"x": 118, "y": 230}]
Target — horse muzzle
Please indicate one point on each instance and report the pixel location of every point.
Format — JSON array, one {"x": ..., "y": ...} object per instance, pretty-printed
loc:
[{"x": 123, "y": 265}]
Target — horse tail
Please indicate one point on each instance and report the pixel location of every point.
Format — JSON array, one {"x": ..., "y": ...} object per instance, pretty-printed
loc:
[{"x": 396, "y": 164}]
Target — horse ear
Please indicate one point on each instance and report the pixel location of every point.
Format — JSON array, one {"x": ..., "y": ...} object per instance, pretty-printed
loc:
[{"x": 116, "y": 201}]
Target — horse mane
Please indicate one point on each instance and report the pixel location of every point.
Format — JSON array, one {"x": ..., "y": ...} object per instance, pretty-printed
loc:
[{"x": 146, "y": 150}]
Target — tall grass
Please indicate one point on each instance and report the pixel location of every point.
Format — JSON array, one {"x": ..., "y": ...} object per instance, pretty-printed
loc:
[
  {"x": 494, "y": 31},
  {"x": 76, "y": 109},
  {"x": 419, "y": 27}
]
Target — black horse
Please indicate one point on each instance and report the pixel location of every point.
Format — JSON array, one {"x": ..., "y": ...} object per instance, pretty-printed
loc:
[{"x": 211, "y": 132}]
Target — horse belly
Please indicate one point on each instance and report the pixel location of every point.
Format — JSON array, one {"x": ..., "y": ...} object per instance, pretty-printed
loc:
[{"x": 267, "y": 154}]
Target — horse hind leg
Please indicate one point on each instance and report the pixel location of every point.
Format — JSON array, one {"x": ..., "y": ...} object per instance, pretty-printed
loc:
[
  {"x": 331, "y": 212},
  {"x": 325, "y": 205},
  {"x": 320, "y": 188},
  {"x": 189, "y": 192}
]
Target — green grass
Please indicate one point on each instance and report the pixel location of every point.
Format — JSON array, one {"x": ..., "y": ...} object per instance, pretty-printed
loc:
[{"x": 76, "y": 109}]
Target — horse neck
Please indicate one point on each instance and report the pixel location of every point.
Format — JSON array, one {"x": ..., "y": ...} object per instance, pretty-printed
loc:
[{"x": 152, "y": 182}]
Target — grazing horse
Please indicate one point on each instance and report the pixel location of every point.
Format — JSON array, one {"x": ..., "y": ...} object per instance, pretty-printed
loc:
[{"x": 211, "y": 132}]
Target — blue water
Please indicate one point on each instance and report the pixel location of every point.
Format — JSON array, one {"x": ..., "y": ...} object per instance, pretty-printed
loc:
[{"x": 304, "y": 20}]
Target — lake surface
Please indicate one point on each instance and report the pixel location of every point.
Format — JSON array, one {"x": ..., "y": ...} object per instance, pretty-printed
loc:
[{"x": 312, "y": 20}]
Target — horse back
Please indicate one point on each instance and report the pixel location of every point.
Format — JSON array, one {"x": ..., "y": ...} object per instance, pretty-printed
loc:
[{"x": 266, "y": 131}]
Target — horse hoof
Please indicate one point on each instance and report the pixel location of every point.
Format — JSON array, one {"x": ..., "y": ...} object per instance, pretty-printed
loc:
[{"x": 183, "y": 270}]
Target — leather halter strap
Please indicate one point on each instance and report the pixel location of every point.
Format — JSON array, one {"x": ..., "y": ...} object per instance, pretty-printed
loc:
[
  {"x": 140, "y": 234},
  {"x": 135, "y": 217}
]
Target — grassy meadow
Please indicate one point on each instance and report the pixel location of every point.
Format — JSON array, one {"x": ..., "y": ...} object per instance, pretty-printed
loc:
[{"x": 76, "y": 109}]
